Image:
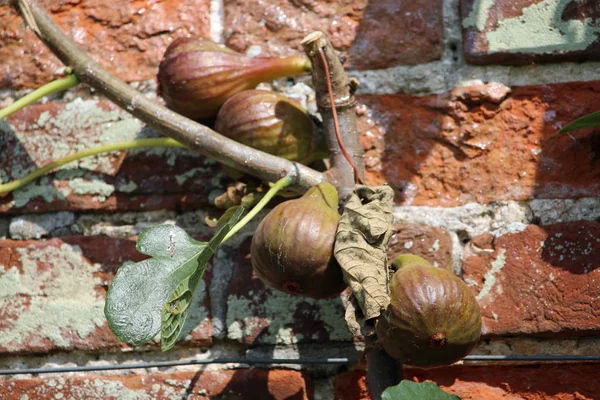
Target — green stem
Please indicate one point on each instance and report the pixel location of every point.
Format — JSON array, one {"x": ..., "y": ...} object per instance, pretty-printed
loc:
[
  {"x": 280, "y": 184},
  {"x": 131, "y": 144},
  {"x": 49, "y": 88}
]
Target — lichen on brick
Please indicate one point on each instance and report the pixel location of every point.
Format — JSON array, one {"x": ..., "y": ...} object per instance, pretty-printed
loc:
[
  {"x": 45, "y": 190},
  {"x": 478, "y": 15},
  {"x": 246, "y": 317},
  {"x": 97, "y": 187},
  {"x": 541, "y": 29},
  {"x": 53, "y": 297},
  {"x": 490, "y": 276}
]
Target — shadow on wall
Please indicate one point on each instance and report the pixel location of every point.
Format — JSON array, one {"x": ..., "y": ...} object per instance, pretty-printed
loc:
[
  {"x": 483, "y": 143},
  {"x": 252, "y": 383},
  {"x": 140, "y": 179}
]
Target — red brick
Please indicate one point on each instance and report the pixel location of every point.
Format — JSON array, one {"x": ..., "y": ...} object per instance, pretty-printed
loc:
[
  {"x": 351, "y": 385},
  {"x": 395, "y": 33},
  {"x": 541, "y": 281},
  {"x": 257, "y": 314},
  {"x": 52, "y": 294},
  {"x": 483, "y": 144},
  {"x": 146, "y": 179},
  {"x": 193, "y": 385},
  {"x": 433, "y": 244},
  {"x": 525, "y": 31},
  {"x": 127, "y": 37},
  {"x": 373, "y": 35},
  {"x": 532, "y": 382},
  {"x": 535, "y": 382}
]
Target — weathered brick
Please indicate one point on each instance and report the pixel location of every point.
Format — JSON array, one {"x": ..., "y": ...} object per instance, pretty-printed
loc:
[
  {"x": 257, "y": 314},
  {"x": 482, "y": 143},
  {"x": 525, "y": 31},
  {"x": 372, "y": 35},
  {"x": 127, "y": 37},
  {"x": 433, "y": 244},
  {"x": 140, "y": 179},
  {"x": 535, "y": 382},
  {"x": 239, "y": 384},
  {"x": 52, "y": 295},
  {"x": 351, "y": 385},
  {"x": 540, "y": 281},
  {"x": 532, "y": 382}
]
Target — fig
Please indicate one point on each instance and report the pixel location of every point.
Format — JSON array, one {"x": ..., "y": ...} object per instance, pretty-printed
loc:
[
  {"x": 292, "y": 249},
  {"x": 270, "y": 122},
  {"x": 433, "y": 318},
  {"x": 196, "y": 76}
]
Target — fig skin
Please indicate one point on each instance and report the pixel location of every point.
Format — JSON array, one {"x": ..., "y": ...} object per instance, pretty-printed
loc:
[
  {"x": 433, "y": 318},
  {"x": 270, "y": 122},
  {"x": 196, "y": 76},
  {"x": 292, "y": 249}
]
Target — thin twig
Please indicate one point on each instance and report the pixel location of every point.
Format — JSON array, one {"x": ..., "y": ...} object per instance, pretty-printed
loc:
[
  {"x": 193, "y": 135},
  {"x": 57, "y": 85},
  {"x": 336, "y": 124},
  {"x": 106, "y": 148}
]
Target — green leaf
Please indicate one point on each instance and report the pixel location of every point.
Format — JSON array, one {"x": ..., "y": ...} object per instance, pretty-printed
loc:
[
  {"x": 137, "y": 294},
  {"x": 588, "y": 121},
  {"x": 175, "y": 310},
  {"x": 409, "y": 390}
]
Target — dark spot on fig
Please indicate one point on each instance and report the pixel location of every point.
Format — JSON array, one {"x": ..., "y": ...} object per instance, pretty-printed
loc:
[
  {"x": 438, "y": 341},
  {"x": 292, "y": 287}
]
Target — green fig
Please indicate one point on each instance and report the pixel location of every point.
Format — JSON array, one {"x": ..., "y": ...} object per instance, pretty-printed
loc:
[
  {"x": 196, "y": 76},
  {"x": 433, "y": 318},
  {"x": 292, "y": 249}
]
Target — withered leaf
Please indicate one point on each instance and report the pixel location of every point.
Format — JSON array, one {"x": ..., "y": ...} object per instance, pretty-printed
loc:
[{"x": 361, "y": 244}]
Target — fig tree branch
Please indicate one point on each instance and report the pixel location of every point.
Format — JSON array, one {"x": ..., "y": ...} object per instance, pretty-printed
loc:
[
  {"x": 319, "y": 48},
  {"x": 193, "y": 135}
]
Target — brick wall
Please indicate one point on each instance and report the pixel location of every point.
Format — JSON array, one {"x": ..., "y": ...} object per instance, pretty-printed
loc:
[{"x": 460, "y": 103}]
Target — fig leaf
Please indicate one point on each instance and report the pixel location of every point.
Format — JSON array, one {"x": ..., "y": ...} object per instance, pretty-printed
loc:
[
  {"x": 141, "y": 293},
  {"x": 361, "y": 244},
  {"x": 409, "y": 390},
  {"x": 587, "y": 121}
]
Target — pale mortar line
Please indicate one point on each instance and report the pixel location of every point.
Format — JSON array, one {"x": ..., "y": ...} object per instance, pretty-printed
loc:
[
  {"x": 442, "y": 76},
  {"x": 217, "y": 20},
  {"x": 500, "y": 217}
]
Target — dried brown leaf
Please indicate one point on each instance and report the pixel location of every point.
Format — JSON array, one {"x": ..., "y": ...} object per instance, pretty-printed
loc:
[{"x": 361, "y": 244}]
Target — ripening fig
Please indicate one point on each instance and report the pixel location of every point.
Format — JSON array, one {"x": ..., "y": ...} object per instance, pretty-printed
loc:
[
  {"x": 292, "y": 249},
  {"x": 270, "y": 122},
  {"x": 433, "y": 318},
  {"x": 196, "y": 76}
]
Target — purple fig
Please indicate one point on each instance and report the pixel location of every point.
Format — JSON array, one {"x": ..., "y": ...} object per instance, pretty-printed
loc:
[
  {"x": 196, "y": 76},
  {"x": 270, "y": 122},
  {"x": 433, "y": 318},
  {"x": 292, "y": 249}
]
